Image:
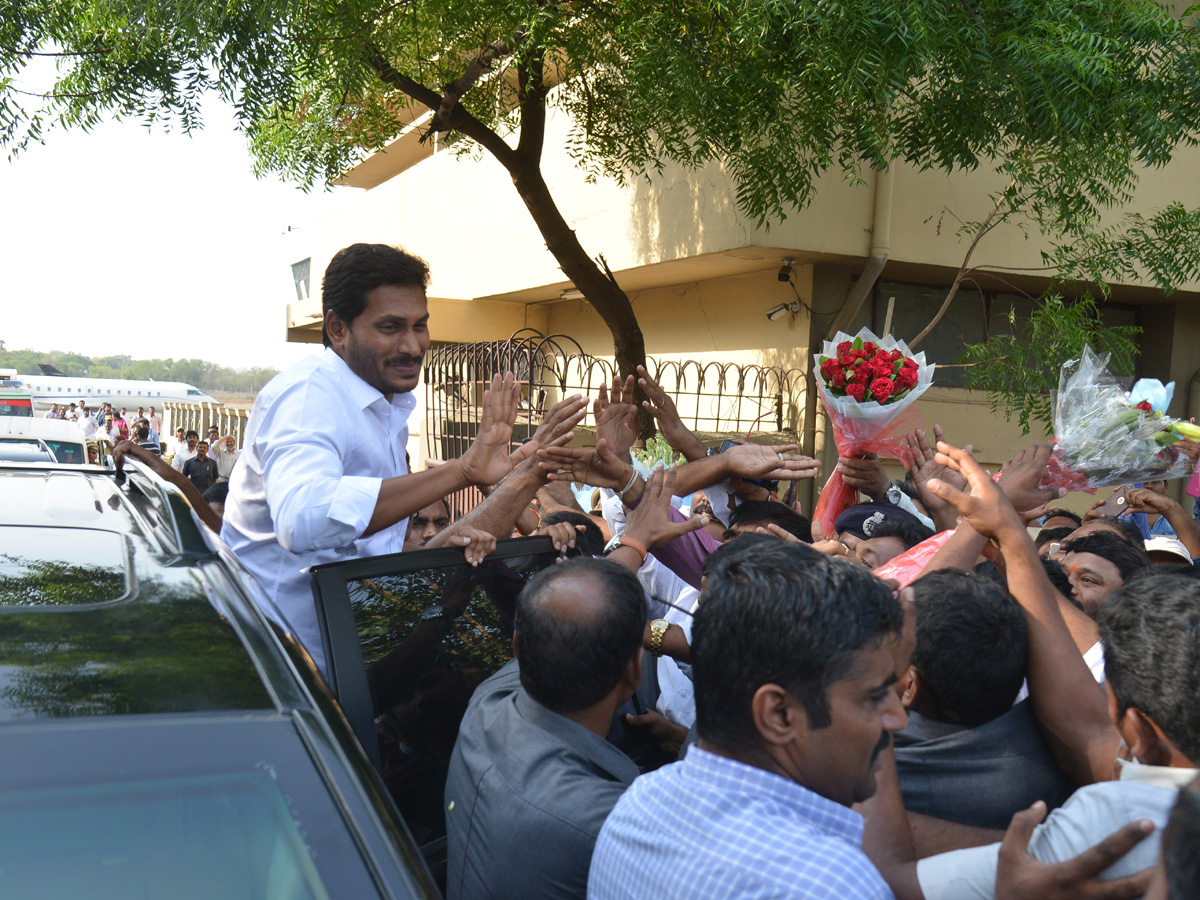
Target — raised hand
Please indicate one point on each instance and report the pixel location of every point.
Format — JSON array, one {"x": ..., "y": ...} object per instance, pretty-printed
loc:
[
  {"x": 562, "y": 534},
  {"x": 489, "y": 458},
  {"x": 475, "y": 544},
  {"x": 1021, "y": 877},
  {"x": 1021, "y": 476},
  {"x": 617, "y": 416},
  {"x": 923, "y": 466},
  {"x": 1145, "y": 500},
  {"x": 775, "y": 463},
  {"x": 562, "y": 417},
  {"x": 596, "y": 466},
  {"x": 830, "y": 547},
  {"x": 660, "y": 405},
  {"x": 650, "y": 523},
  {"x": 985, "y": 508}
]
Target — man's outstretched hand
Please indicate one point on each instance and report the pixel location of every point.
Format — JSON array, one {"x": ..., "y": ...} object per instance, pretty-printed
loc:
[
  {"x": 985, "y": 508},
  {"x": 490, "y": 458},
  {"x": 1021, "y": 877}
]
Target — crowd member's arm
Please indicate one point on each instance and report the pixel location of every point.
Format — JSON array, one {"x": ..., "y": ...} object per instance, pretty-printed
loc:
[
  {"x": 660, "y": 405},
  {"x": 649, "y": 526},
  {"x": 155, "y": 463},
  {"x": 1186, "y": 529},
  {"x": 1071, "y": 708},
  {"x": 887, "y": 842},
  {"x": 498, "y": 512},
  {"x": 932, "y": 836},
  {"x": 598, "y": 466}
]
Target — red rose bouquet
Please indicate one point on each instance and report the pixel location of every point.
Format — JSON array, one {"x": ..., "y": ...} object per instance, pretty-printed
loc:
[{"x": 867, "y": 384}]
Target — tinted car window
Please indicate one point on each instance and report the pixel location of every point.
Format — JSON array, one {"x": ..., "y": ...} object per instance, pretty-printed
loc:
[
  {"x": 429, "y": 635},
  {"x": 61, "y": 567},
  {"x": 66, "y": 451}
]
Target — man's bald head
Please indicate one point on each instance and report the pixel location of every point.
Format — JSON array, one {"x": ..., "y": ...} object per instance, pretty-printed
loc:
[{"x": 578, "y": 626}]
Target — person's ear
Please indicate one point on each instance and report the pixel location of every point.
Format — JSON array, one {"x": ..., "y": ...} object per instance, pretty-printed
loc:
[
  {"x": 779, "y": 718},
  {"x": 1147, "y": 743},
  {"x": 514, "y": 645},
  {"x": 335, "y": 328},
  {"x": 910, "y": 687},
  {"x": 631, "y": 679}
]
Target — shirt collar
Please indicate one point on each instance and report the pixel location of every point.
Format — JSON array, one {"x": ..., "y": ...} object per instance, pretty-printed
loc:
[
  {"x": 585, "y": 742},
  {"x": 1161, "y": 776},
  {"x": 733, "y": 776},
  {"x": 360, "y": 392}
]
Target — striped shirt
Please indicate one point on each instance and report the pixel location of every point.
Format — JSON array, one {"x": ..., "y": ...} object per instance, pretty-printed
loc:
[{"x": 712, "y": 828}]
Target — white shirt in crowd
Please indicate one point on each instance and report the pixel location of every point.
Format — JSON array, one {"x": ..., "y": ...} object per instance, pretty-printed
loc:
[
  {"x": 302, "y": 495},
  {"x": 182, "y": 455},
  {"x": 88, "y": 426}
]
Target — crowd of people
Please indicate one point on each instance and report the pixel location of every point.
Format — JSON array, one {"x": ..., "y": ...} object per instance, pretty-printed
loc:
[{"x": 964, "y": 691}]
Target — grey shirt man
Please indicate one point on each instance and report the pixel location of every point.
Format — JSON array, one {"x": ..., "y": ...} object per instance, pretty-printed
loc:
[{"x": 526, "y": 795}]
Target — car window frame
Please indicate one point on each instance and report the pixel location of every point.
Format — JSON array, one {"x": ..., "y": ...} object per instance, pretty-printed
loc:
[{"x": 346, "y": 673}]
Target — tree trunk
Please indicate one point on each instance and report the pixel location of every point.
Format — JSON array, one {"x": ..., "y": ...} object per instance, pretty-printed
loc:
[{"x": 596, "y": 285}]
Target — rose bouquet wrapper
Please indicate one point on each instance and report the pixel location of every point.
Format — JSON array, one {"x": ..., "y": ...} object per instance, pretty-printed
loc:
[
  {"x": 1105, "y": 435},
  {"x": 865, "y": 426}
]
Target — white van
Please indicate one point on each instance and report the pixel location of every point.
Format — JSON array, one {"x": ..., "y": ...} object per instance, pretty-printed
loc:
[{"x": 41, "y": 440}]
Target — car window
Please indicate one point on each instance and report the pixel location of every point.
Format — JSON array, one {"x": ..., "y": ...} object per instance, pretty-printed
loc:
[
  {"x": 429, "y": 635},
  {"x": 24, "y": 451},
  {"x": 66, "y": 451},
  {"x": 59, "y": 567}
]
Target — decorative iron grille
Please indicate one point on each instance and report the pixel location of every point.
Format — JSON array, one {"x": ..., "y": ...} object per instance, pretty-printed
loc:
[{"x": 714, "y": 399}]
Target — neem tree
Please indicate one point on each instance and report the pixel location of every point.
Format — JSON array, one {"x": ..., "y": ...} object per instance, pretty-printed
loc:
[{"x": 1067, "y": 98}]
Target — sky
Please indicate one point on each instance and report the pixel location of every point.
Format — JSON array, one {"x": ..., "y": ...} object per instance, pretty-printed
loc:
[{"x": 131, "y": 241}]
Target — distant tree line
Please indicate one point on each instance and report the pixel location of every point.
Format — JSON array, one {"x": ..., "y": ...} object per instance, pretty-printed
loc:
[{"x": 207, "y": 376}]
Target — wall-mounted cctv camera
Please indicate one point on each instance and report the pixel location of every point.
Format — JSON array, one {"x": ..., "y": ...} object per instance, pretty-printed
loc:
[
  {"x": 785, "y": 273},
  {"x": 776, "y": 311}
]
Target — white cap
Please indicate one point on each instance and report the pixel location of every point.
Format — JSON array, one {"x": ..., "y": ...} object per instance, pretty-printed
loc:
[{"x": 1163, "y": 544}]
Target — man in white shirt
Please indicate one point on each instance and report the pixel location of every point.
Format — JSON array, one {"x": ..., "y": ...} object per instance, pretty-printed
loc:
[
  {"x": 88, "y": 426},
  {"x": 185, "y": 451},
  {"x": 323, "y": 474},
  {"x": 225, "y": 452}
]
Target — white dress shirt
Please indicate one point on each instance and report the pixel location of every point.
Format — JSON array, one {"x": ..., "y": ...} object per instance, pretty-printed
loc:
[
  {"x": 182, "y": 455},
  {"x": 88, "y": 426},
  {"x": 225, "y": 460},
  {"x": 318, "y": 445}
]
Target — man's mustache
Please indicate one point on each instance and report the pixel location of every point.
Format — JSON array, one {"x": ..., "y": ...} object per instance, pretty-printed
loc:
[
  {"x": 885, "y": 741},
  {"x": 403, "y": 360}
]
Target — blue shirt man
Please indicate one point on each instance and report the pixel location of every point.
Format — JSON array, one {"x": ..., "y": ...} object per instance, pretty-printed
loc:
[{"x": 795, "y": 658}]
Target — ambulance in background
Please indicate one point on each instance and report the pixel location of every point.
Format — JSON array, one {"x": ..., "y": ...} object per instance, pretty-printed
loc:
[{"x": 16, "y": 398}]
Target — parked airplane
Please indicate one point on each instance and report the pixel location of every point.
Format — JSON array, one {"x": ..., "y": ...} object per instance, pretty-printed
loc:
[{"x": 52, "y": 386}]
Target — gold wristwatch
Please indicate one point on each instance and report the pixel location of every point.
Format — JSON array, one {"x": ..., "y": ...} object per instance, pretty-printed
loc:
[{"x": 658, "y": 628}]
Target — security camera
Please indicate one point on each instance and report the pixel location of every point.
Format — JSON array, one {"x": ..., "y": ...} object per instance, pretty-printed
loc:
[
  {"x": 785, "y": 273},
  {"x": 776, "y": 311}
]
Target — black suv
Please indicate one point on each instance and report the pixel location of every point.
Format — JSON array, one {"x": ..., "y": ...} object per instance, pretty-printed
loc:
[{"x": 159, "y": 738}]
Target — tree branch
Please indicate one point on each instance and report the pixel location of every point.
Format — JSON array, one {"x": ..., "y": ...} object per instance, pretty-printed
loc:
[
  {"x": 531, "y": 94},
  {"x": 988, "y": 224},
  {"x": 454, "y": 91},
  {"x": 460, "y": 119}
]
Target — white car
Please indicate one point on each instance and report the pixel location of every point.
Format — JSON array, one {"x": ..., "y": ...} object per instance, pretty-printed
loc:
[{"x": 41, "y": 440}]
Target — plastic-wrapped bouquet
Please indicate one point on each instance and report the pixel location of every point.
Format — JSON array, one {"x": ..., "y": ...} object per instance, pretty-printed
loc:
[
  {"x": 867, "y": 383},
  {"x": 1106, "y": 435}
]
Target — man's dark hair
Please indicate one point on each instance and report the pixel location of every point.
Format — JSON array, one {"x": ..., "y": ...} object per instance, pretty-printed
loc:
[
  {"x": 1150, "y": 629},
  {"x": 776, "y": 513},
  {"x": 740, "y": 544},
  {"x": 1128, "y": 560},
  {"x": 143, "y": 433},
  {"x": 590, "y": 542},
  {"x": 1050, "y": 535},
  {"x": 1054, "y": 512},
  {"x": 971, "y": 648},
  {"x": 909, "y": 533},
  {"x": 1181, "y": 846},
  {"x": 192, "y": 434},
  {"x": 779, "y": 616},
  {"x": 357, "y": 270},
  {"x": 217, "y": 492},
  {"x": 989, "y": 570},
  {"x": 571, "y": 663},
  {"x": 1122, "y": 528}
]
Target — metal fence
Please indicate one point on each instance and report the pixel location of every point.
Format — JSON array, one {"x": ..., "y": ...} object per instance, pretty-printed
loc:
[
  {"x": 198, "y": 416},
  {"x": 714, "y": 399}
]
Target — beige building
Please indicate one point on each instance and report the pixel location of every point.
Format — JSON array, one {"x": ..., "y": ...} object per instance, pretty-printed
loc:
[{"x": 702, "y": 277}]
